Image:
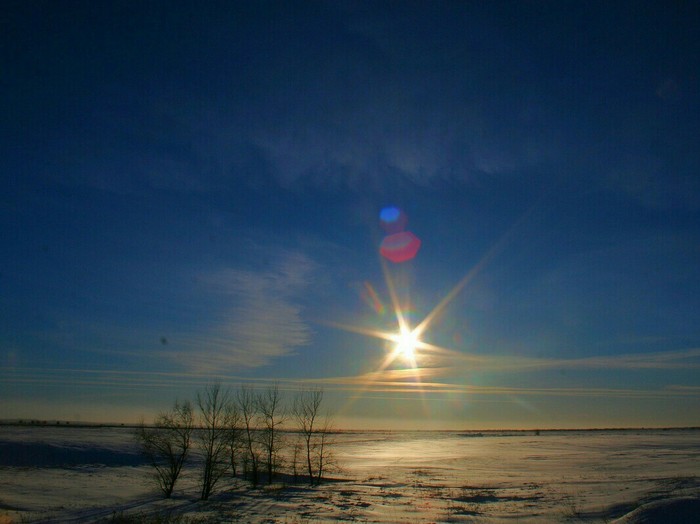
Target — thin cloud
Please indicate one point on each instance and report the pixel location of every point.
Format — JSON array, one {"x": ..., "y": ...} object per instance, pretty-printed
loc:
[
  {"x": 441, "y": 378},
  {"x": 411, "y": 382},
  {"x": 687, "y": 389},
  {"x": 389, "y": 382},
  {"x": 681, "y": 359},
  {"x": 664, "y": 360},
  {"x": 244, "y": 319},
  {"x": 263, "y": 323},
  {"x": 138, "y": 380}
]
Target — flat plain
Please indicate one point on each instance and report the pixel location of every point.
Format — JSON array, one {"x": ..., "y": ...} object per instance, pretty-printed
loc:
[{"x": 93, "y": 474}]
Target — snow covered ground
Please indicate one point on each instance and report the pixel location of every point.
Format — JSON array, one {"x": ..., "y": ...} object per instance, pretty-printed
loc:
[{"x": 70, "y": 474}]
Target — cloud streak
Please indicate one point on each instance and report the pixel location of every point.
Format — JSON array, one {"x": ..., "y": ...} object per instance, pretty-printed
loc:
[
  {"x": 447, "y": 377},
  {"x": 664, "y": 360},
  {"x": 386, "y": 382},
  {"x": 264, "y": 321},
  {"x": 376, "y": 383}
]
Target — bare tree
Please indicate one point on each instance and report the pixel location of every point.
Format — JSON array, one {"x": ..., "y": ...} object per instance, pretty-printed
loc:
[
  {"x": 272, "y": 416},
  {"x": 297, "y": 450},
  {"x": 167, "y": 444},
  {"x": 325, "y": 458},
  {"x": 236, "y": 442},
  {"x": 214, "y": 435},
  {"x": 247, "y": 407},
  {"x": 306, "y": 412}
]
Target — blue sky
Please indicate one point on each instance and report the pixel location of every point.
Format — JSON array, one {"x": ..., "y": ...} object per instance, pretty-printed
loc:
[{"x": 191, "y": 194}]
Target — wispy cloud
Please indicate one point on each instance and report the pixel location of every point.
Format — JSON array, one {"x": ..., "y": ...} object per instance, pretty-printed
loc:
[
  {"x": 664, "y": 360},
  {"x": 106, "y": 380},
  {"x": 264, "y": 320},
  {"x": 232, "y": 318},
  {"x": 445, "y": 372},
  {"x": 414, "y": 381},
  {"x": 681, "y": 359},
  {"x": 687, "y": 389},
  {"x": 409, "y": 382}
]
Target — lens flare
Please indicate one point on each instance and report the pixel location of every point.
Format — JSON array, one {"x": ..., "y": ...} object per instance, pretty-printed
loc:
[
  {"x": 400, "y": 247},
  {"x": 392, "y": 219},
  {"x": 372, "y": 299}
]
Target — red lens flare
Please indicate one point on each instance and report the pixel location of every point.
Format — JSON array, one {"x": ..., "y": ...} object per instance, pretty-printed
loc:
[{"x": 400, "y": 247}]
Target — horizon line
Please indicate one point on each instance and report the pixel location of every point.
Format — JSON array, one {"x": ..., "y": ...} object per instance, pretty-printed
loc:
[{"x": 77, "y": 424}]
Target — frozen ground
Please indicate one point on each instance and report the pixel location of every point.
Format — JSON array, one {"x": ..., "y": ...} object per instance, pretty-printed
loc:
[{"x": 64, "y": 474}]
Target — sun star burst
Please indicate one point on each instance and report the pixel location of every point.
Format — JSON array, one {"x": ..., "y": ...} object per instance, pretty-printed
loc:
[{"x": 406, "y": 344}]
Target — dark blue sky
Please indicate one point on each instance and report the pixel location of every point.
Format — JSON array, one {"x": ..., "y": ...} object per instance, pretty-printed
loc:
[{"x": 191, "y": 193}]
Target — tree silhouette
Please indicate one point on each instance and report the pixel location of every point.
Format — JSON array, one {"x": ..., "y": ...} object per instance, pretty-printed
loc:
[
  {"x": 247, "y": 404},
  {"x": 214, "y": 435},
  {"x": 314, "y": 431},
  {"x": 167, "y": 444},
  {"x": 272, "y": 415}
]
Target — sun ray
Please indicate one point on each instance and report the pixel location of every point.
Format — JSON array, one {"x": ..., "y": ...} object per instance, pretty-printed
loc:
[
  {"x": 400, "y": 319},
  {"x": 376, "y": 333},
  {"x": 494, "y": 250}
]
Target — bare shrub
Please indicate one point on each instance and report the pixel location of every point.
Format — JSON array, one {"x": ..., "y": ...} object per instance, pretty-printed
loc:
[{"x": 167, "y": 444}]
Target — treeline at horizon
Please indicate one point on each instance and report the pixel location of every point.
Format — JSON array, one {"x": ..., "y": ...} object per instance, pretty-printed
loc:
[{"x": 486, "y": 431}]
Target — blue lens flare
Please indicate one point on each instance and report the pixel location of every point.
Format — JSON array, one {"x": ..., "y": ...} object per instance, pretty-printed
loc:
[
  {"x": 392, "y": 219},
  {"x": 389, "y": 214}
]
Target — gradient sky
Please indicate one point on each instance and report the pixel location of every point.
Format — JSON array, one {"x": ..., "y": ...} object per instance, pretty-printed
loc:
[{"x": 191, "y": 193}]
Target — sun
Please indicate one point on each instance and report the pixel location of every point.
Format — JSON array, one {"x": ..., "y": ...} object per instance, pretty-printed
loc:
[{"x": 406, "y": 344}]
